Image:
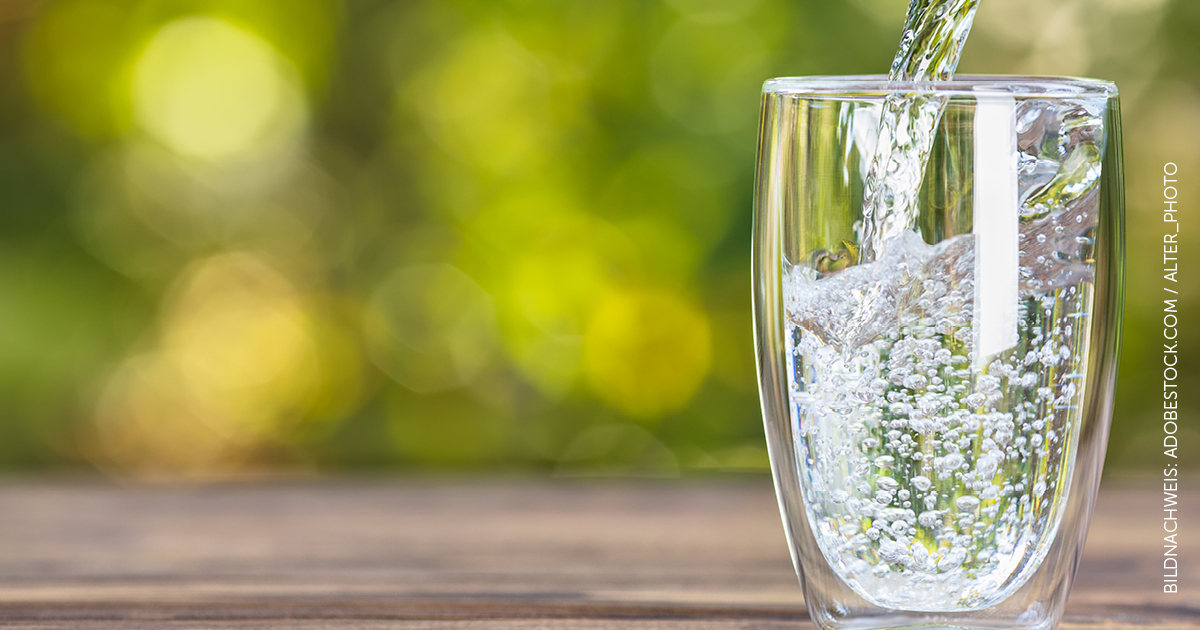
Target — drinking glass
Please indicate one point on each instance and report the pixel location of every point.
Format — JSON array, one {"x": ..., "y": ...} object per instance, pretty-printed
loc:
[{"x": 937, "y": 400}]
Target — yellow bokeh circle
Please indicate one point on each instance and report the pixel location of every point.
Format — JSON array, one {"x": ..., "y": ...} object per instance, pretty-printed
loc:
[
  {"x": 208, "y": 89},
  {"x": 647, "y": 352}
]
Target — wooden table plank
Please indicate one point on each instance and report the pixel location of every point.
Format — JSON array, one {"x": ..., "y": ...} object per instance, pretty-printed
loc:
[{"x": 703, "y": 555}]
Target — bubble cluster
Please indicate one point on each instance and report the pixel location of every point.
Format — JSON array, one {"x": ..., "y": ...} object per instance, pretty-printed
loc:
[
  {"x": 1060, "y": 157},
  {"x": 933, "y": 479}
]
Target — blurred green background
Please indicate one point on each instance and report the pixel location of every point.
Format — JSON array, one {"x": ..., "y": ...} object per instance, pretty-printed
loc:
[{"x": 240, "y": 236}]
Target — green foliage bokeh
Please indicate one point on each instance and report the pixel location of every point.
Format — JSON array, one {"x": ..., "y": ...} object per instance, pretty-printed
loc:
[{"x": 456, "y": 234}]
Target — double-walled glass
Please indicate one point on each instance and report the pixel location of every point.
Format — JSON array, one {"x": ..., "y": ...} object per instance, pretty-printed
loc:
[{"x": 937, "y": 384}]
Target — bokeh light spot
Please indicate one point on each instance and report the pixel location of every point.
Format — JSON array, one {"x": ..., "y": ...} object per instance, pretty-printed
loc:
[
  {"x": 243, "y": 342},
  {"x": 243, "y": 363},
  {"x": 208, "y": 89},
  {"x": 146, "y": 424},
  {"x": 550, "y": 294},
  {"x": 488, "y": 102},
  {"x": 431, "y": 327},
  {"x": 647, "y": 352}
]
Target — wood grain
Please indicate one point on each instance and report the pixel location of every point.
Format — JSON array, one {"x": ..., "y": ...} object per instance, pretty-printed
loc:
[{"x": 686, "y": 555}]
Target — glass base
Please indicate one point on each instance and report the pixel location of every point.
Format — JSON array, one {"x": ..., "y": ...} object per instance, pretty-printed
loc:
[{"x": 908, "y": 623}]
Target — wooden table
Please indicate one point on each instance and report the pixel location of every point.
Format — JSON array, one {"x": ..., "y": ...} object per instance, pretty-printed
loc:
[{"x": 339, "y": 554}]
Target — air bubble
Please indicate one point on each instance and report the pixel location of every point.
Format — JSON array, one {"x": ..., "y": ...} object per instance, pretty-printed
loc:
[
  {"x": 952, "y": 560},
  {"x": 966, "y": 503}
]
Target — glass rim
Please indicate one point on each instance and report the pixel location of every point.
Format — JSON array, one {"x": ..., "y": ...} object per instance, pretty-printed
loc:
[{"x": 879, "y": 85}]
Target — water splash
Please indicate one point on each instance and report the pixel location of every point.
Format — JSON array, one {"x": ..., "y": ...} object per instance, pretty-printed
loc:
[{"x": 934, "y": 34}]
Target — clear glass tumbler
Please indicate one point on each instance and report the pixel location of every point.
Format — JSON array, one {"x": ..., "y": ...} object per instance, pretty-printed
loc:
[{"x": 937, "y": 384}]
